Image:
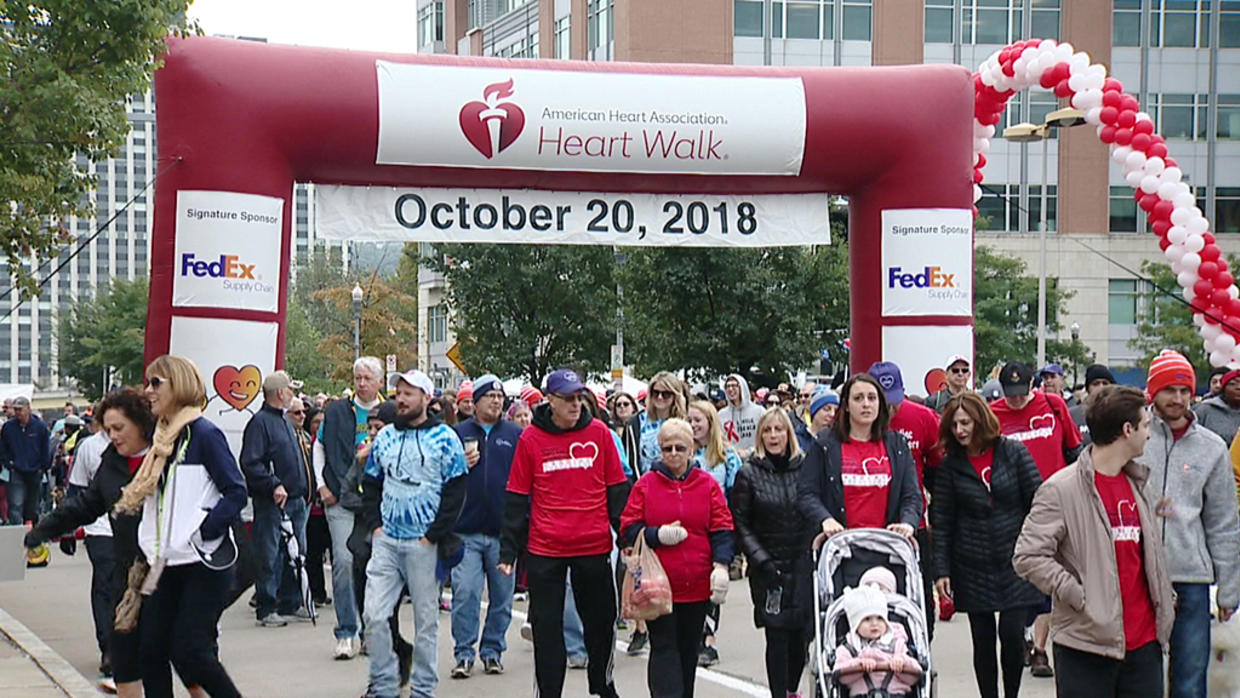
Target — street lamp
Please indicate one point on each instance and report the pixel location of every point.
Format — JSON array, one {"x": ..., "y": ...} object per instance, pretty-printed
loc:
[
  {"x": 358, "y": 295},
  {"x": 1027, "y": 133},
  {"x": 1076, "y": 365}
]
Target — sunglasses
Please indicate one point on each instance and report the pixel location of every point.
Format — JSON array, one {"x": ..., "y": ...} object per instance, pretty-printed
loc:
[
  {"x": 774, "y": 402},
  {"x": 958, "y": 370},
  {"x": 154, "y": 382},
  {"x": 623, "y": 403},
  {"x": 663, "y": 394},
  {"x": 674, "y": 448}
]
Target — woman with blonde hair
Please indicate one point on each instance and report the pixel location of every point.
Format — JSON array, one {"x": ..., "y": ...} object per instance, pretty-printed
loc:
[{"x": 188, "y": 490}]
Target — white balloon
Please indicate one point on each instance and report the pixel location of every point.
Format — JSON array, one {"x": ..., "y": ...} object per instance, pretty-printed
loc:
[
  {"x": 981, "y": 145},
  {"x": 1180, "y": 216},
  {"x": 1189, "y": 295},
  {"x": 1224, "y": 343},
  {"x": 1194, "y": 243},
  {"x": 1181, "y": 199},
  {"x": 1149, "y": 183},
  {"x": 1177, "y": 235},
  {"x": 1135, "y": 178},
  {"x": 1235, "y": 355},
  {"x": 1186, "y": 278},
  {"x": 1177, "y": 266},
  {"x": 977, "y": 193},
  {"x": 1076, "y": 81},
  {"x": 1174, "y": 252},
  {"x": 989, "y": 131},
  {"x": 1169, "y": 191},
  {"x": 1171, "y": 174},
  {"x": 1087, "y": 98},
  {"x": 1196, "y": 212},
  {"x": 1197, "y": 226},
  {"x": 1079, "y": 62},
  {"x": 1120, "y": 154},
  {"x": 1199, "y": 319},
  {"x": 988, "y": 78},
  {"x": 1047, "y": 45},
  {"x": 1063, "y": 53},
  {"x": 979, "y": 129},
  {"x": 1134, "y": 161},
  {"x": 1094, "y": 81},
  {"x": 1210, "y": 330},
  {"x": 1093, "y": 116},
  {"x": 1190, "y": 261},
  {"x": 1142, "y": 116},
  {"x": 1233, "y": 292},
  {"x": 1218, "y": 359},
  {"x": 1154, "y": 165}
]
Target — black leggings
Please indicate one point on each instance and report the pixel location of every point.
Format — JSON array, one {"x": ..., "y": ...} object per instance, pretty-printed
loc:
[
  {"x": 179, "y": 624},
  {"x": 1011, "y": 651},
  {"x": 318, "y": 547},
  {"x": 785, "y": 658},
  {"x": 674, "y": 641}
]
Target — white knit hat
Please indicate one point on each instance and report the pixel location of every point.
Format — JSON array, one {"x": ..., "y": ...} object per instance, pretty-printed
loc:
[
  {"x": 861, "y": 603},
  {"x": 883, "y": 577}
]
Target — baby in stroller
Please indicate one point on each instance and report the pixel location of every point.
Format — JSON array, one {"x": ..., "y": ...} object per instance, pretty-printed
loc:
[{"x": 873, "y": 661}]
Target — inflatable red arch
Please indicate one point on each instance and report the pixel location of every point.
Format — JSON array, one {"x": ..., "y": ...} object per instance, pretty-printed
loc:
[{"x": 246, "y": 120}]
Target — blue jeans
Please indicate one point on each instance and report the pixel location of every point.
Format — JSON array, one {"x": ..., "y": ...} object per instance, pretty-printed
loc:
[
  {"x": 24, "y": 492},
  {"x": 277, "y": 589},
  {"x": 1190, "y": 641},
  {"x": 574, "y": 636},
  {"x": 480, "y": 562},
  {"x": 339, "y": 526},
  {"x": 394, "y": 564}
]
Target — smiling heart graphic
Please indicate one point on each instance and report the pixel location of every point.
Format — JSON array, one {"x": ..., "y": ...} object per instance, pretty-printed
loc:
[
  {"x": 1042, "y": 421},
  {"x": 237, "y": 386},
  {"x": 588, "y": 451},
  {"x": 491, "y": 127}
]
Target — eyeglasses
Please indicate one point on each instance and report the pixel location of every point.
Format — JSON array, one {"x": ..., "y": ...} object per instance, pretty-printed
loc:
[
  {"x": 773, "y": 402},
  {"x": 806, "y": 396},
  {"x": 622, "y": 403},
  {"x": 663, "y": 394},
  {"x": 961, "y": 371},
  {"x": 154, "y": 382},
  {"x": 674, "y": 448}
]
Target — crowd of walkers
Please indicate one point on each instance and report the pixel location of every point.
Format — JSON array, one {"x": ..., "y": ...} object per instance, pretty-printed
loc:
[{"x": 1079, "y": 534}]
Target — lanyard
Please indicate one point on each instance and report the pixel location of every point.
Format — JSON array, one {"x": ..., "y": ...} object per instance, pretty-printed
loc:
[{"x": 168, "y": 484}]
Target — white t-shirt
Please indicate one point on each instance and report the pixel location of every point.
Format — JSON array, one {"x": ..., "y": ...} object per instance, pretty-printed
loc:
[{"x": 85, "y": 464}]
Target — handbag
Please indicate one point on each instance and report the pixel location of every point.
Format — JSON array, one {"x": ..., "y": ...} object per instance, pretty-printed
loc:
[{"x": 646, "y": 592}]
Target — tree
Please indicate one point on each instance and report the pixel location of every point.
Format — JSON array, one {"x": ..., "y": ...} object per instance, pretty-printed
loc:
[
  {"x": 302, "y": 358},
  {"x": 69, "y": 65},
  {"x": 104, "y": 333},
  {"x": 525, "y": 310},
  {"x": 389, "y": 325},
  {"x": 1005, "y": 314}
]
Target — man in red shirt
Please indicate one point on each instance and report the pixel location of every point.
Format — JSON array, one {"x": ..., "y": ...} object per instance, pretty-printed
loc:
[
  {"x": 920, "y": 427},
  {"x": 1040, "y": 421},
  {"x": 1087, "y": 563},
  {"x": 565, "y": 493}
]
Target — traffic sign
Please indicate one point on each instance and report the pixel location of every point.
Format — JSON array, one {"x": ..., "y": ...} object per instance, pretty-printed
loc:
[{"x": 454, "y": 355}]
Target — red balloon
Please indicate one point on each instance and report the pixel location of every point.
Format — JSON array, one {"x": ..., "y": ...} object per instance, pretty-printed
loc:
[
  {"x": 1209, "y": 238},
  {"x": 1161, "y": 227},
  {"x": 1063, "y": 89},
  {"x": 1203, "y": 288},
  {"x": 1163, "y": 244},
  {"x": 977, "y": 175},
  {"x": 1201, "y": 305},
  {"x": 1220, "y": 297},
  {"x": 1141, "y": 141},
  {"x": 981, "y": 161},
  {"x": 1112, "y": 99},
  {"x": 1156, "y": 137},
  {"x": 1208, "y": 270},
  {"x": 1145, "y": 126},
  {"x": 1171, "y": 162},
  {"x": 1162, "y": 210},
  {"x": 1005, "y": 54},
  {"x": 1138, "y": 194},
  {"x": 1233, "y": 309},
  {"x": 1112, "y": 85},
  {"x": 1123, "y": 136},
  {"x": 1223, "y": 279},
  {"x": 975, "y": 212},
  {"x": 1108, "y": 115},
  {"x": 989, "y": 119},
  {"x": 1126, "y": 119},
  {"x": 1157, "y": 150},
  {"x": 1148, "y": 202},
  {"x": 1107, "y": 134},
  {"x": 1222, "y": 266},
  {"x": 1129, "y": 103},
  {"x": 1210, "y": 253},
  {"x": 1049, "y": 78},
  {"x": 1062, "y": 71}
]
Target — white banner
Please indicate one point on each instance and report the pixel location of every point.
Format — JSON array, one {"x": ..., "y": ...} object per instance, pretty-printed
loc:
[
  {"x": 927, "y": 262},
  {"x": 572, "y": 120},
  {"x": 572, "y": 218},
  {"x": 227, "y": 250},
  {"x": 922, "y": 351}
]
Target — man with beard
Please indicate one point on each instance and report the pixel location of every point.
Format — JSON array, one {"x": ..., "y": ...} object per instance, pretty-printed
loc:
[{"x": 413, "y": 488}]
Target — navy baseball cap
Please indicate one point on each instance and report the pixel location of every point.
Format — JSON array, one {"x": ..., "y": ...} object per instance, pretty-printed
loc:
[
  {"x": 564, "y": 381},
  {"x": 1054, "y": 369},
  {"x": 888, "y": 375}
]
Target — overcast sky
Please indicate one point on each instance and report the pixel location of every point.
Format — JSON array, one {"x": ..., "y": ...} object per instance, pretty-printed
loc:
[{"x": 369, "y": 25}]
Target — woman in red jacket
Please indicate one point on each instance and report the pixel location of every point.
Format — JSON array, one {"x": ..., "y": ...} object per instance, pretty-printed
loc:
[{"x": 681, "y": 511}]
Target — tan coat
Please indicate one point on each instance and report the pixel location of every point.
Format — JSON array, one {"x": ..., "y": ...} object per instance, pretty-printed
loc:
[{"x": 1065, "y": 549}]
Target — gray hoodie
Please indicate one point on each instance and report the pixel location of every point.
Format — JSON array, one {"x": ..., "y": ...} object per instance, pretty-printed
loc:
[
  {"x": 1219, "y": 417},
  {"x": 1201, "y": 529},
  {"x": 740, "y": 424}
]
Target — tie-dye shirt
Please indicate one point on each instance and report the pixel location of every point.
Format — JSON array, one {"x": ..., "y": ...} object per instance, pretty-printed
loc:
[
  {"x": 649, "y": 442},
  {"x": 725, "y": 472},
  {"x": 413, "y": 465}
]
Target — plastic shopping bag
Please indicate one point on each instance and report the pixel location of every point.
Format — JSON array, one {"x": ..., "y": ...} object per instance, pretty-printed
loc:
[{"x": 646, "y": 592}]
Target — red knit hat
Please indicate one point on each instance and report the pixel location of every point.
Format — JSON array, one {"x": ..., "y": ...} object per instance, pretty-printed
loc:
[
  {"x": 531, "y": 395},
  {"x": 465, "y": 391},
  {"x": 1169, "y": 368}
]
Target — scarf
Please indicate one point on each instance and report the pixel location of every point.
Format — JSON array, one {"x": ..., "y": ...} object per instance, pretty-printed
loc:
[{"x": 146, "y": 480}]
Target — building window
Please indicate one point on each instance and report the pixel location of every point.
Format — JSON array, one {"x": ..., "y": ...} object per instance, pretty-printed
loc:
[
  {"x": 1035, "y": 208},
  {"x": 1229, "y": 25},
  {"x": 804, "y": 20},
  {"x": 1228, "y": 117},
  {"x": 747, "y": 17},
  {"x": 563, "y": 47},
  {"x": 1044, "y": 22},
  {"x": 997, "y": 210},
  {"x": 430, "y": 24},
  {"x": 857, "y": 15},
  {"x": 437, "y": 323},
  {"x": 1180, "y": 116},
  {"x": 1123, "y": 211},
  {"x": 600, "y": 29},
  {"x": 1123, "y": 298},
  {"x": 1227, "y": 209},
  {"x": 1126, "y": 23},
  {"x": 1180, "y": 23},
  {"x": 1000, "y": 21},
  {"x": 940, "y": 17}
]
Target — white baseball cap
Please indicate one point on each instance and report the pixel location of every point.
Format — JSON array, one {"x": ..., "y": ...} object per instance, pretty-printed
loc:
[
  {"x": 957, "y": 357},
  {"x": 414, "y": 378}
]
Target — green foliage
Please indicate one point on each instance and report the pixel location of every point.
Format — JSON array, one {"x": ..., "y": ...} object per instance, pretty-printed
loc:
[
  {"x": 529, "y": 309},
  {"x": 104, "y": 332},
  {"x": 1005, "y": 315},
  {"x": 302, "y": 358},
  {"x": 68, "y": 67}
]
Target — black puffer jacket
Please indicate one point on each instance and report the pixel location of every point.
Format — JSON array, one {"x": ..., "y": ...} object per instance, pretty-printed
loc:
[
  {"x": 975, "y": 530},
  {"x": 775, "y": 537}
]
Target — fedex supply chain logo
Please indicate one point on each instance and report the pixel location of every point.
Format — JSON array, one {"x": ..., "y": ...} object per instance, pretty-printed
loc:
[
  {"x": 929, "y": 277},
  {"x": 927, "y": 262},
  {"x": 227, "y": 250},
  {"x": 226, "y": 266}
]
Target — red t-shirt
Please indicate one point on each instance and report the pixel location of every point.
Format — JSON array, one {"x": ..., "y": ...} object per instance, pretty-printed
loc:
[
  {"x": 920, "y": 426},
  {"x": 1119, "y": 500},
  {"x": 982, "y": 464},
  {"x": 566, "y": 476},
  {"x": 1040, "y": 427},
  {"x": 135, "y": 462},
  {"x": 866, "y": 473}
]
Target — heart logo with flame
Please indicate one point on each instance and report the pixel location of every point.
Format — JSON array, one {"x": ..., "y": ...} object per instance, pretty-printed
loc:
[
  {"x": 489, "y": 125},
  {"x": 237, "y": 386}
]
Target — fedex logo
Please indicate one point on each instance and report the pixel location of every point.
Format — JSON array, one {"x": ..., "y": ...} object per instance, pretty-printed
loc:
[
  {"x": 930, "y": 277},
  {"x": 227, "y": 267}
]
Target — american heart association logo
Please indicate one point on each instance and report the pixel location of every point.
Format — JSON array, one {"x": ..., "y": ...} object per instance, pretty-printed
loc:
[
  {"x": 237, "y": 386},
  {"x": 489, "y": 125},
  {"x": 887, "y": 382},
  {"x": 587, "y": 451}
]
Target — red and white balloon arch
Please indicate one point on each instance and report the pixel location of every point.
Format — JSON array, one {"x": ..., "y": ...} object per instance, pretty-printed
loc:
[{"x": 1182, "y": 229}]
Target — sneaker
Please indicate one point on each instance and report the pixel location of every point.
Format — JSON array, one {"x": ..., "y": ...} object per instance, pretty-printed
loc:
[
  {"x": 708, "y": 656},
  {"x": 578, "y": 662},
  {"x": 637, "y": 643},
  {"x": 302, "y": 614},
  {"x": 1028, "y": 656},
  {"x": 404, "y": 659},
  {"x": 527, "y": 631},
  {"x": 492, "y": 665},
  {"x": 345, "y": 649},
  {"x": 105, "y": 664},
  {"x": 254, "y": 601},
  {"x": 462, "y": 670},
  {"x": 1040, "y": 666},
  {"x": 108, "y": 685},
  {"x": 322, "y": 602},
  {"x": 521, "y": 596},
  {"x": 272, "y": 620}
]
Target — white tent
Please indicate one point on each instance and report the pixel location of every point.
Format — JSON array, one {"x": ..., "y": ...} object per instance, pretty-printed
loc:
[{"x": 8, "y": 391}]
